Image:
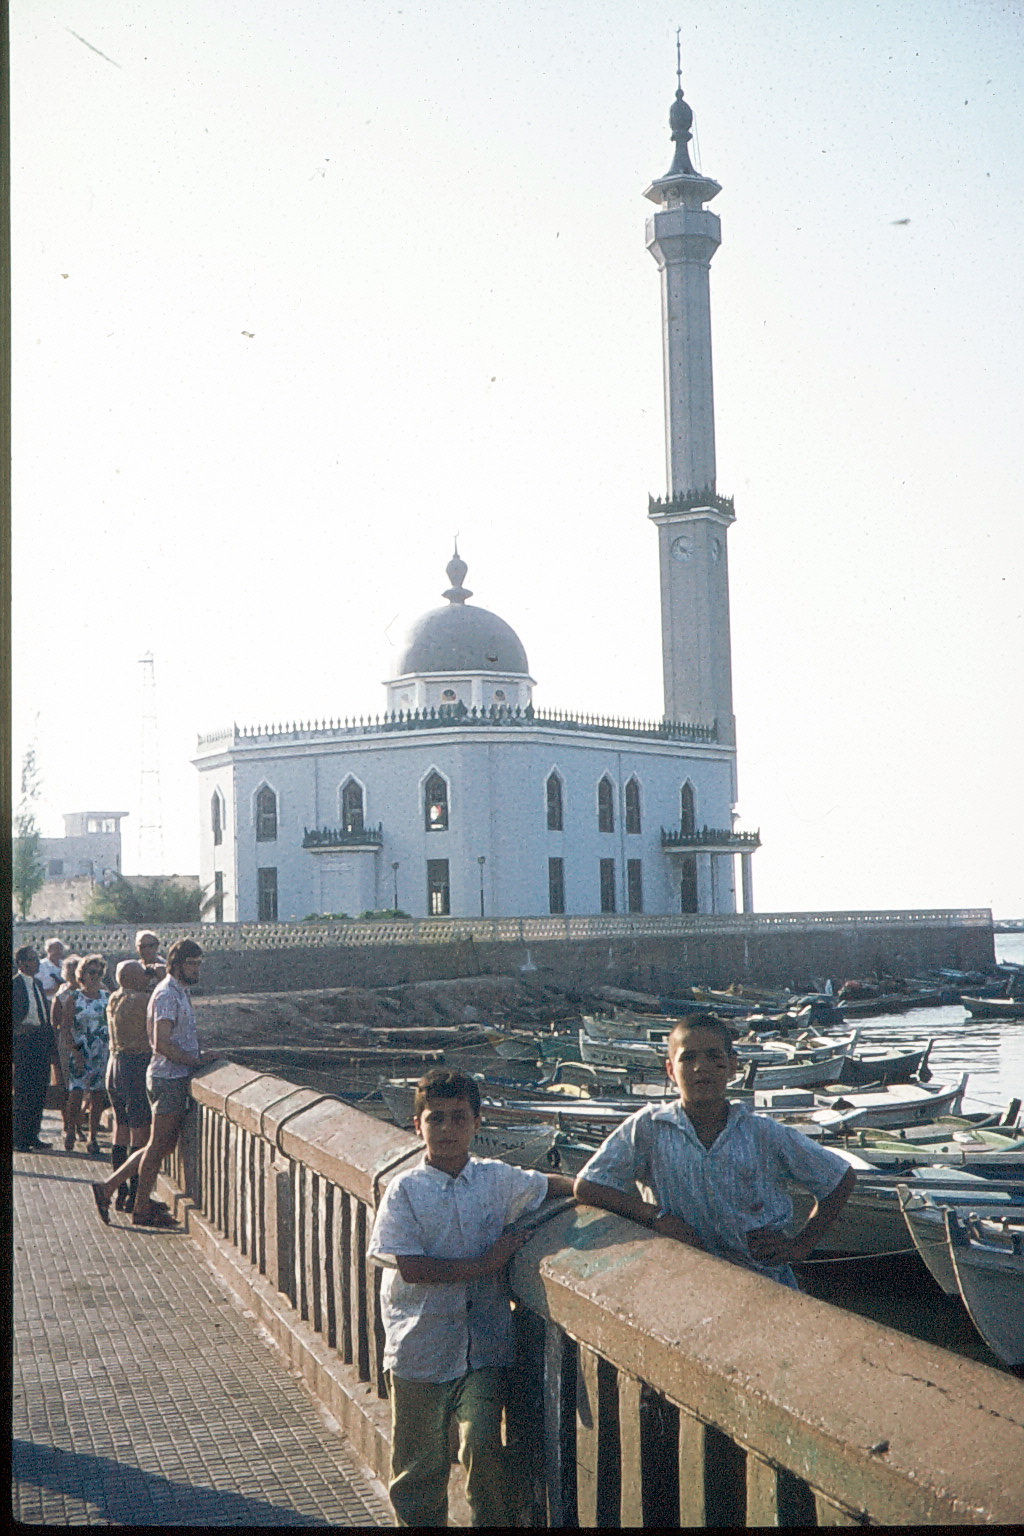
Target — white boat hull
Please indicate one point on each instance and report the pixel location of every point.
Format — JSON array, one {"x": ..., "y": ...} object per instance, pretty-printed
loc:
[{"x": 989, "y": 1268}]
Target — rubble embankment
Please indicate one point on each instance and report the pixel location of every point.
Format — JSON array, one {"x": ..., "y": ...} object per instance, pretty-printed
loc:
[{"x": 348, "y": 1037}]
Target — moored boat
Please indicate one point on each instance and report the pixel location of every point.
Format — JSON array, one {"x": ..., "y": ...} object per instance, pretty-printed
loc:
[
  {"x": 994, "y": 1007},
  {"x": 885, "y": 1064},
  {"x": 988, "y": 1261},
  {"x": 893, "y": 1107},
  {"x": 872, "y": 1224},
  {"x": 994, "y": 1152}
]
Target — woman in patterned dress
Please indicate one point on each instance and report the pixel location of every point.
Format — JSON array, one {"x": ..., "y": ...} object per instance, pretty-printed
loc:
[
  {"x": 89, "y": 1049},
  {"x": 62, "y": 1014}
]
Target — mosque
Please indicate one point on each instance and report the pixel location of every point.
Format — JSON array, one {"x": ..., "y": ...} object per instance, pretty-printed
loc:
[{"x": 463, "y": 798}]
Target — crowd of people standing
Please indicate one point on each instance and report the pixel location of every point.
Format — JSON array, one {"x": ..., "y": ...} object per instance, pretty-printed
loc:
[{"x": 132, "y": 1048}]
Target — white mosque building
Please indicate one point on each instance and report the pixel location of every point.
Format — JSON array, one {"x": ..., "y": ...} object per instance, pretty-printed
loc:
[{"x": 462, "y": 798}]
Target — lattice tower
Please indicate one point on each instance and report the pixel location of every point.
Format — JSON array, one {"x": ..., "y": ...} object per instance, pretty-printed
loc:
[{"x": 151, "y": 829}]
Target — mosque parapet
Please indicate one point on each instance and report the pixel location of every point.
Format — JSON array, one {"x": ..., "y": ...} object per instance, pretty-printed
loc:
[{"x": 460, "y": 717}]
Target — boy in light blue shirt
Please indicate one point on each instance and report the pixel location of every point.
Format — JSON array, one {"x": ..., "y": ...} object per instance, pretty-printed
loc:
[{"x": 717, "y": 1171}]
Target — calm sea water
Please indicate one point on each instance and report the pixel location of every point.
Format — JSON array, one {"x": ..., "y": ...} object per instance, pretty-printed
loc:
[{"x": 991, "y": 1051}]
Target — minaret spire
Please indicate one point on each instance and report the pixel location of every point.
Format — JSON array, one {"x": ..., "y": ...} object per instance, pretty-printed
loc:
[
  {"x": 680, "y": 120},
  {"x": 692, "y": 518}
]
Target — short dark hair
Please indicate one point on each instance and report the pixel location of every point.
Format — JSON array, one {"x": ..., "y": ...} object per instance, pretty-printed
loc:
[
  {"x": 183, "y": 949},
  {"x": 26, "y": 952},
  {"x": 446, "y": 1083},
  {"x": 701, "y": 1021}
]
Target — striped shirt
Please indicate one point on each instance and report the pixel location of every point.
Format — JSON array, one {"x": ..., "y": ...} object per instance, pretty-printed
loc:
[
  {"x": 438, "y": 1332},
  {"x": 723, "y": 1191}
]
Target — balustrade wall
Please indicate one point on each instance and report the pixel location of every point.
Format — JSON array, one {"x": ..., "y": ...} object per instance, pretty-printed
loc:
[
  {"x": 656, "y": 1385},
  {"x": 652, "y": 953}
]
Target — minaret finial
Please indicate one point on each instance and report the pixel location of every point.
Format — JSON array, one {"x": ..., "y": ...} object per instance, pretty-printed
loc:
[
  {"x": 680, "y": 120},
  {"x": 456, "y": 570}
]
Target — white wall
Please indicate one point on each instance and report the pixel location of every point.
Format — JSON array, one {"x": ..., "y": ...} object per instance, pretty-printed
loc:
[{"x": 497, "y": 808}]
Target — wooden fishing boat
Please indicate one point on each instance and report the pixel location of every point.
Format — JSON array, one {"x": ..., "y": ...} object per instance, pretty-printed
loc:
[
  {"x": 873, "y": 1007},
  {"x": 893, "y": 1107},
  {"x": 884, "y": 1064},
  {"x": 779, "y": 1063},
  {"x": 639, "y": 1056},
  {"x": 992, "y": 1152},
  {"x": 994, "y": 1007},
  {"x": 923, "y": 1210},
  {"x": 872, "y": 1223},
  {"x": 988, "y": 1261},
  {"x": 527, "y": 1146},
  {"x": 487, "y": 1059}
]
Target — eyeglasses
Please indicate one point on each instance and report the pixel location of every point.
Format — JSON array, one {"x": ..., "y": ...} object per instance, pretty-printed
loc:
[{"x": 93, "y": 970}]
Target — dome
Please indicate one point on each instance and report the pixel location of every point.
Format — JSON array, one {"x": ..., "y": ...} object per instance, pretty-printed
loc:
[{"x": 458, "y": 638}]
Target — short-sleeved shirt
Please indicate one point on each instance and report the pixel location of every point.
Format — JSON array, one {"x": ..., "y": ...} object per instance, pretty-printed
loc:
[
  {"x": 49, "y": 976},
  {"x": 723, "y": 1191},
  {"x": 126, "y": 1020},
  {"x": 439, "y": 1332},
  {"x": 169, "y": 1000}
]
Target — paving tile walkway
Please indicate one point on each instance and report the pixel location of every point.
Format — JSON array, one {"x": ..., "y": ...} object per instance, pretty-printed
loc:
[{"x": 141, "y": 1394}]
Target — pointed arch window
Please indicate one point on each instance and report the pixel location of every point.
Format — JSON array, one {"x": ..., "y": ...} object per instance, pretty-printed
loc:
[
  {"x": 556, "y": 820},
  {"x": 605, "y": 807},
  {"x": 266, "y": 814},
  {"x": 688, "y": 811},
  {"x": 633, "y": 808},
  {"x": 217, "y": 818},
  {"x": 352, "y": 806},
  {"x": 435, "y": 803}
]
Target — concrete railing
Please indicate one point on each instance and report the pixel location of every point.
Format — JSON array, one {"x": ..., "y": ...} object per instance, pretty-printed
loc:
[
  {"x": 113, "y": 939},
  {"x": 665, "y": 1387}
]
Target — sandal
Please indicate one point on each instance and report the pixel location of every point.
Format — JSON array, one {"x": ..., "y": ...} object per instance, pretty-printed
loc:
[
  {"x": 102, "y": 1199},
  {"x": 154, "y": 1217}
]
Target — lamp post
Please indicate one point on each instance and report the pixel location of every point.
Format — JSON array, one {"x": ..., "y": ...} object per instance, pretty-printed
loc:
[
  {"x": 394, "y": 875},
  {"x": 482, "y": 860}
]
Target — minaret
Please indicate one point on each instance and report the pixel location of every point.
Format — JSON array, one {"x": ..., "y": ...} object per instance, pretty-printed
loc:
[{"x": 693, "y": 520}]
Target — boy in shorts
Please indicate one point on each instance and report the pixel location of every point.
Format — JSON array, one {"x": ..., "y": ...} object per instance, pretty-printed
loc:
[
  {"x": 445, "y": 1306},
  {"x": 717, "y": 1171}
]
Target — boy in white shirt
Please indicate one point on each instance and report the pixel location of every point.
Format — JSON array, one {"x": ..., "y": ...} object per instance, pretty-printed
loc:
[{"x": 445, "y": 1305}]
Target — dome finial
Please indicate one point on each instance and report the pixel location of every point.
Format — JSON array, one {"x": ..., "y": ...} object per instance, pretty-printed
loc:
[
  {"x": 680, "y": 120},
  {"x": 456, "y": 570}
]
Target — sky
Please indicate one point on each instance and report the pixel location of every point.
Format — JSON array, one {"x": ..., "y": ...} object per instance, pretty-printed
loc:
[{"x": 301, "y": 292}]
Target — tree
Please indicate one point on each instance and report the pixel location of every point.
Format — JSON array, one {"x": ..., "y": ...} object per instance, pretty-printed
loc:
[
  {"x": 27, "y": 872},
  {"x": 146, "y": 901}
]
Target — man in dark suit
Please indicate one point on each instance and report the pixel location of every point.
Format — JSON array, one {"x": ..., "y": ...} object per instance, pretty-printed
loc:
[{"x": 31, "y": 1046}]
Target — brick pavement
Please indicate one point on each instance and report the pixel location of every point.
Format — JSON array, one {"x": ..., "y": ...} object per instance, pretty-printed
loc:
[{"x": 131, "y": 1411}]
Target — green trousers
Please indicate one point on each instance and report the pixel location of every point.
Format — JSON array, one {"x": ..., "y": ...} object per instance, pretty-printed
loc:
[{"x": 421, "y": 1415}]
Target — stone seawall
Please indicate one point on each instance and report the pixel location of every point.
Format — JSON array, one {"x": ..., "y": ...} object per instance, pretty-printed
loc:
[{"x": 650, "y": 954}]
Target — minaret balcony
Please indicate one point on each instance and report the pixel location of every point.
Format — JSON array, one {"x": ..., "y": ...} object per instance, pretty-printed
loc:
[
  {"x": 709, "y": 840},
  {"x": 343, "y": 839},
  {"x": 663, "y": 508}
]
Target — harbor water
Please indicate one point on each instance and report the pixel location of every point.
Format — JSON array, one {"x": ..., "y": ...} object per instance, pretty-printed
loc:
[
  {"x": 896, "y": 1289},
  {"x": 991, "y": 1051}
]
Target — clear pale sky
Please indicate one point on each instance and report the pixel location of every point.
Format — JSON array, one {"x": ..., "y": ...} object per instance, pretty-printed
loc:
[{"x": 303, "y": 290}]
